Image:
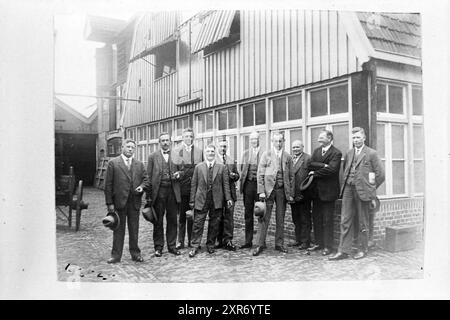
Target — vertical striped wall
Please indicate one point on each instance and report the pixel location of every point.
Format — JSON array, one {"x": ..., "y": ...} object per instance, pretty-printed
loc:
[{"x": 279, "y": 49}]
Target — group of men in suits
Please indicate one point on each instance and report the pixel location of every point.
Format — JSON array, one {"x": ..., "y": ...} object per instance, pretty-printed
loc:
[{"x": 188, "y": 178}]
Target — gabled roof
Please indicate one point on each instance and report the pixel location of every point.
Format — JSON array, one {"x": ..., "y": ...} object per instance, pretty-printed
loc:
[
  {"x": 103, "y": 29},
  {"x": 77, "y": 114},
  {"x": 397, "y": 33}
]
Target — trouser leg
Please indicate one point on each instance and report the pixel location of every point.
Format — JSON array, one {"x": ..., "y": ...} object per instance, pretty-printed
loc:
[
  {"x": 119, "y": 235},
  {"x": 197, "y": 230},
  {"x": 263, "y": 223},
  {"x": 295, "y": 211},
  {"x": 362, "y": 208},
  {"x": 317, "y": 216},
  {"x": 171, "y": 218},
  {"x": 347, "y": 221},
  {"x": 220, "y": 226},
  {"x": 328, "y": 223},
  {"x": 228, "y": 224},
  {"x": 158, "y": 227},
  {"x": 133, "y": 229},
  {"x": 280, "y": 212},
  {"x": 250, "y": 197},
  {"x": 182, "y": 221},
  {"x": 213, "y": 226},
  {"x": 305, "y": 221}
]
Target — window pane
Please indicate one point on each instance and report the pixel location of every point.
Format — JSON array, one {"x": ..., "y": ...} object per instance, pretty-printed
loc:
[
  {"x": 260, "y": 112},
  {"x": 153, "y": 131},
  {"x": 279, "y": 109},
  {"x": 381, "y": 98},
  {"x": 232, "y": 147},
  {"x": 295, "y": 107},
  {"x": 340, "y": 137},
  {"x": 381, "y": 140},
  {"x": 418, "y": 142},
  {"x": 417, "y": 101},
  {"x": 247, "y": 115},
  {"x": 222, "y": 119},
  {"x": 262, "y": 141},
  {"x": 339, "y": 99},
  {"x": 419, "y": 176},
  {"x": 179, "y": 124},
  {"x": 232, "y": 121},
  {"x": 395, "y": 99},
  {"x": 295, "y": 134},
  {"x": 199, "y": 144},
  {"x": 398, "y": 176},
  {"x": 319, "y": 103},
  {"x": 209, "y": 121},
  {"x": 314, "y": 135},
  {"x": 245, "y": 142},
  {"x": 381, "y": 191},
  {"x": 398, "y": 144}
]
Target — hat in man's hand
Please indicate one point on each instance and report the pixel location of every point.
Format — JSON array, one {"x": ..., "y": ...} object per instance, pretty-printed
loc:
[
  {"x": 374, "y": 205},
  {"x": 112, "y": 220},
  {"x": 190, "y": 214},
  {"x": 149, "y": 214},
  {"x": 306, "y": 183},
  {"x": 259, "y": 209}
]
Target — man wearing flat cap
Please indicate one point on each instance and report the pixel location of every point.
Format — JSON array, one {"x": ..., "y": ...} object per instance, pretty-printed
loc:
[{"x": 125, "y": 181}]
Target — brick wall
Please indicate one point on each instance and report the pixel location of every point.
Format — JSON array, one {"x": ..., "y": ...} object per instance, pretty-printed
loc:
[{"x": 404, "y": 211}]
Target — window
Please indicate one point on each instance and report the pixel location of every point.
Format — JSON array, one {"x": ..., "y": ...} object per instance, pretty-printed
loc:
[
  {"x": 131, "y": 134},
  {"x": 232, "y": 150},
  {"x": 180, "y": 125},
  {"x": 204, "y": 122},
  {"x": 114, "y": 147},
  {"x": 254, "y": 114},
  {"x": 418, "y": 159},
  {"x": 165, "y": 59},
  {"x": 341, "y": 136},
  {"x": 246, "y": 141},
  {"x": 153, "y": 133},
  {"x": 391, "y": 148},
  {"x": 328, "y": 101},
  {"x": 390, "y": 98},
  {"x": 166, "y": 126},
  {"x": 290, "y": 135},
  {"x": 142, "y": 153},
  {"x": 142, "y": 134},
  {"x": 417, "y": 101},
  {"x": 287, "y": 108},
  {"x": 226, "y": 118}
]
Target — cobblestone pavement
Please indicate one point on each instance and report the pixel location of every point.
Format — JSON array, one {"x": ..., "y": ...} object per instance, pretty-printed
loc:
[{"x": 82, "y": 255}]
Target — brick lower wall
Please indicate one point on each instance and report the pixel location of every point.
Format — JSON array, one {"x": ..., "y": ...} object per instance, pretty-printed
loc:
[{"x": 403, "y": 211}]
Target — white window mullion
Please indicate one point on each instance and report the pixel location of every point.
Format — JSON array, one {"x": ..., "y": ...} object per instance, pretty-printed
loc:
[{"x": 388, "y": 150}]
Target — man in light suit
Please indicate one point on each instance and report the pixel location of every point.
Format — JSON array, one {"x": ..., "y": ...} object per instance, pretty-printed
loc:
[
  {"x": 324, "y": 166},
  {"x": 165, "y": 197},
  {"x": 187, "y": 156},
  {"x": 274, "y": 185},
  {"x": 248, "y": 185},
  {"x": 226, "y": 220},
  {"x": 125, "y": 182},
  {"x": 363, "y": 174},
  {"x": 301, "y": 207},
  {"x": 210, "y": 192}
]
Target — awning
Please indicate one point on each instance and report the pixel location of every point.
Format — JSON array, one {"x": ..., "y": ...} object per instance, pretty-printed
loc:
[
  {"x": 153, "y": 49},
  {"x": 215, "y": 27}
]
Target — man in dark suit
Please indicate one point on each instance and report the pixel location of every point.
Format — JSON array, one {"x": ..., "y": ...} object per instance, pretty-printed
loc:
[
  {"x": 187, "y": 156},
  {"x": 363, "y": 174},
  {"x": 125, "y": 182},
  {"x": 301, "y": 207},
  {"x": 324, "y": 166},
  {"x": 226, "y": 220},
  {"x": 248, "y": 185},
  {"x": 210, "y": 192},
  {"x": 274, "y": 185},
  {"x": 165, "y": 197}
]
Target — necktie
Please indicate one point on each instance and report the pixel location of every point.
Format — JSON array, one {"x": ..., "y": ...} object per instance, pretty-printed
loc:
[
  {"x": 323, "y": 152},
  {"x": 128, "y": 163},
  {"x": 224, "y": 159},
  {"x": 358, "y": 151}
]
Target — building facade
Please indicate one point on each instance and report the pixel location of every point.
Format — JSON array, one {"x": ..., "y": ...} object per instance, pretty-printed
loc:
[{"x": 227, "y": 73}]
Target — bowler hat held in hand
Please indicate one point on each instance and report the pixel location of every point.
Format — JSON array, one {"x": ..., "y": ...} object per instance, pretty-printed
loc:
[{"x": 112, "y": 220}]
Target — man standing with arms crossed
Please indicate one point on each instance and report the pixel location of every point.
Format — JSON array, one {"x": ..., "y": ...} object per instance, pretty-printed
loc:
[
  {"x": 363, "y": 174},
  {"x": 226, "y": 221},
  {"x": 188, "y": 156},
  {"x": 274, "y": 185},
  {"x": 125, "y": 181},
  {"x": 248, "y": 185}
]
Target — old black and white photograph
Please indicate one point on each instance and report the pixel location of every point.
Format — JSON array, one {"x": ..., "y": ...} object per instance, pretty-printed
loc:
[{"x": 248, "y": 146}]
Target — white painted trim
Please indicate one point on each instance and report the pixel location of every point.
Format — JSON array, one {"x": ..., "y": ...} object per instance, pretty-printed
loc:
[{"x": 382, "y": 55}]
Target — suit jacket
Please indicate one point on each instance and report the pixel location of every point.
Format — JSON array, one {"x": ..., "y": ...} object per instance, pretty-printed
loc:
[
  {"x": 267, "y": 172},
  {"x": 232, "y": 167},
  {"x": 245, "y": 164},
  {"x": 368, "y": 161},
  {"x": 186, "y": 169},
  {"x": 299, "y": 173},
  {"x": 120, "y": 182},
  {"x": 154, "y": 170},
  {"x": 220, "y": 185},
  {"x": 325, "y": 185}
]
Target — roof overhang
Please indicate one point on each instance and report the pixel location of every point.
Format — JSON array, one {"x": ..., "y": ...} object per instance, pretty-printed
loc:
[
  {"x": 103, "y": 29},
  {"x": 153, "y": 49}
]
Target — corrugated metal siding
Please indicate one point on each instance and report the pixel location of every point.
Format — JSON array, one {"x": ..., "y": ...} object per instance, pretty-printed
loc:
[
  {"x": 215, "y": 27},
  {"x": 278, "y": 50}
]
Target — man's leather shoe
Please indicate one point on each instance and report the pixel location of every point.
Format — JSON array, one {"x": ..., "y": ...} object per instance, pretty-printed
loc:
[
  {"x": 230, "y": 246},
  {"x": 359, "y": 255},
  {"x": 247, "y": 245},
  {"x": 281, "y": 249},
  {"x": 326, "y": 252},
  {"x": 138, "y": 258},
  {"x": 189, "y": 245},
  {"x": 294, "y": 244},
  {"x": 113, "y": 260},
  {"x": 303, "y": 246},
  {"x": 314, "y": 247},
  {"x": 179, "y": 246},
  {"x": 175, "y": 252},
  {"x": 338, "y": 256},
  {"x": 193, "y": 252},
  {"x": 258, "y": 251},
  {"x": 210, "y": 250},
  {"x": 158, "y": 253}
]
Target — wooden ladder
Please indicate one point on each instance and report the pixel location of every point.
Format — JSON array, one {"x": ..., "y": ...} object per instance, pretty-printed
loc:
[{"x": 100, "y": 175}]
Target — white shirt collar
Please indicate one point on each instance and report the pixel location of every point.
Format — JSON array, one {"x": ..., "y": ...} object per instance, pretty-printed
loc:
[
  {"x": 256, "y": 149},
  {"x": 277, "y": 152},
  {"x": 327, "y": 147},
  {"x": 125, "y": 158},
  {"x": 186, "y": 147},
  {"x": 209, "y": 163},
  {"x": 360, "y": 148},
  {"x": 296, "y": 157}
]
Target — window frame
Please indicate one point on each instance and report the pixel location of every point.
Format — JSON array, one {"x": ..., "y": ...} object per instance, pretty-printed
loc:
[{"x": 388, "y": 116}]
